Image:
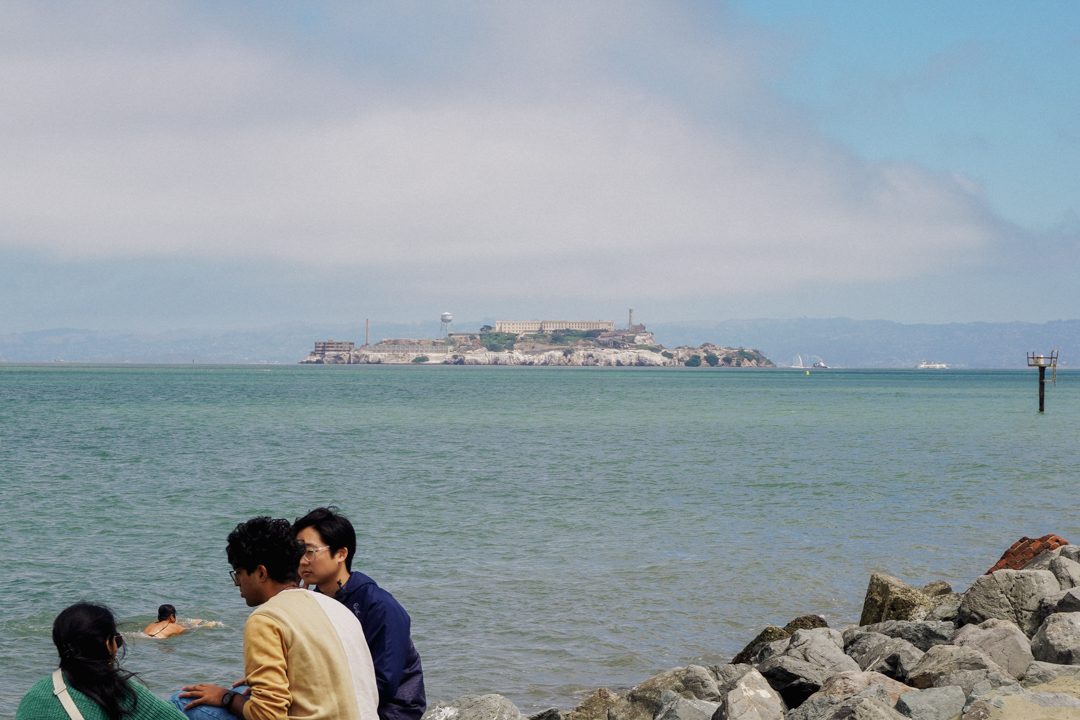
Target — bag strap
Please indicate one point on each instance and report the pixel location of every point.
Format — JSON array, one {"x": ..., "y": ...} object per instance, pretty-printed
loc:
[{"x": 60, "y": 691}]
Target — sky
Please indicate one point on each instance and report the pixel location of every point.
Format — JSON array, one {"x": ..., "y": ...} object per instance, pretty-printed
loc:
[{"x": 244, "y": 164}]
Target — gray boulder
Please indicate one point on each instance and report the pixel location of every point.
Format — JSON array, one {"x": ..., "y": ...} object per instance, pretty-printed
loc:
[
  {"x": 693, "y": 681},
  {"x": 1001, "y": 641},
  {"x": 947, "y": 610},
  {"x": 941, "y": 703},
  {"x": 594, "y": 707},
  {"x": 990, "y": 685},
  {"x": 877, "y": 692},
  {"x": 870, "y": 684},
  {"x": 751, "y": 698},
  {"x": 1008, "y": 595},
  {"x": 768, "y": 635},
  {"x": 727, "y": 675},
  {"x": 937, "y": 588},
  {"x": 894, "y": 658},
  {"x": 888, "y": 598},
  {"x": 763, "y": 651},
  {"x": 795, "y": 679},
  {"x": 1058, "y": 640},
  {"x": 861, "y": 707},
  {"x": 1043, "y": 560},
  {"x": 1049, "y": 604},
  {"x": 1039, "y": 672},
  {"x": 676, "y": 707},
  {"x": 773, "y": 633},
  {"x": 474, "y": 707},
  {"x": 1069, "y": 601},
  {"x": 856, "y": 645},
  {"x": 968, "y": 680},
  {"x": 814, "y": 708},
  {"x": 810, "y": 657},
  {"x": 1066, "y": 571},
  {"x": 552, "y": 713},
  {"x": 823, "y": 646},
  {"x": 923, "y": 635},
  {"x": 942, "y": 660}
]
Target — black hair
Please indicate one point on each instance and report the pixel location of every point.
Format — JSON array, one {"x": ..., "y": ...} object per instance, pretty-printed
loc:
[
  {"x": 336, "y": 530},
  {"x": 269, "y": 542},
  {"x": 81, "y": 633},
  {"x": 165, "y": 612}
]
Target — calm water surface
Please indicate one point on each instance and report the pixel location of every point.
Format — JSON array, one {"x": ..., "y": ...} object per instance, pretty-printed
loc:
[{"x": 550, "y": 530}]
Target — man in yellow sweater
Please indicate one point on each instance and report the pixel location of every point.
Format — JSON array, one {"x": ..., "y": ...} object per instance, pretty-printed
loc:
[{"x": 304, "y": 654}]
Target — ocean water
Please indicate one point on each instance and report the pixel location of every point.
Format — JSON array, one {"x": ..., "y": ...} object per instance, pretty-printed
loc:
[{"x": 550, "y": 530}]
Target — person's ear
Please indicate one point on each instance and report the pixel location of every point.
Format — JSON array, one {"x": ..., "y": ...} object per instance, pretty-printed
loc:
[
  {"x": 341, "y": 554},
  {"x": 260, "y": 573}
]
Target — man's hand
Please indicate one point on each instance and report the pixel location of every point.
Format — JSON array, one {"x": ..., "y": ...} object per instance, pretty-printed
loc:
[
  {"x": 203, "y": 694},
  {"x": 242, "y": 681}
]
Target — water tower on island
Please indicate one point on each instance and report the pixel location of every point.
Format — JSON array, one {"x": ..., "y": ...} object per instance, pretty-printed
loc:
[{"x": 447, "y": 326}]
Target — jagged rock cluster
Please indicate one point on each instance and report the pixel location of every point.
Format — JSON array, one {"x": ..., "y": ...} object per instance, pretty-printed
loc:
[{"x": 1007, "y": 649}]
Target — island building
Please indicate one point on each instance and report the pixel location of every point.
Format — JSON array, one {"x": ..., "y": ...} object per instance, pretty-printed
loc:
[
  {"x": 427, "y": 346},
  {"x": 333, "y": 347},
  {"x": 536, "y": 327}
]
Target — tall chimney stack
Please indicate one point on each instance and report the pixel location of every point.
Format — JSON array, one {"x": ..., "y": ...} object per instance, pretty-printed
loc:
[{"x": 631, "y": 326}]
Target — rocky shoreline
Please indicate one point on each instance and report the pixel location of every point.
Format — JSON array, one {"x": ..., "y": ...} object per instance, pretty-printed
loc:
[{"x": 1006, "y": 649}]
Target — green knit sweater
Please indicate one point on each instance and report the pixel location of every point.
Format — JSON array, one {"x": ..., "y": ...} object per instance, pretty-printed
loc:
[{"x": 41, "y": 704}]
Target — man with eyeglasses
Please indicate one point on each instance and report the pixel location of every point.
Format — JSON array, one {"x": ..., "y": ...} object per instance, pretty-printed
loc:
[
  {"x": 305, "y": 655},
  {"x": 330, "y": 543}
]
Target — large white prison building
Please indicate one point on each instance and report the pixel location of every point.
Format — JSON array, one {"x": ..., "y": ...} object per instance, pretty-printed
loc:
[{"x": 533, "y": 327}]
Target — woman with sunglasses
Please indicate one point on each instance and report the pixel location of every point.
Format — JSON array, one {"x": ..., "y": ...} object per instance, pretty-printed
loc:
[{"x": 90, "y": 684}]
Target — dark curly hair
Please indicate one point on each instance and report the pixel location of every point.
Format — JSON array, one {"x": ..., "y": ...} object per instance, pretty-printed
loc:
[
  {"x": 269, "y": 542},
  {"x": 336, "y": 530},
  {"x": 81, "y": 634}
]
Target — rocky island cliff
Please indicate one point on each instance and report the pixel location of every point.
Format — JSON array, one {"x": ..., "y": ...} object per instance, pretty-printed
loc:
[
  {"x": 1006, "y": 649},
  {"x": 615, "y": 348}
]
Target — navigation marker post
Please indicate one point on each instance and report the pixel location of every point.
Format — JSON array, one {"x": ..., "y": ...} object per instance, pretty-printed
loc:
[{"x": 1042, "y": 362}]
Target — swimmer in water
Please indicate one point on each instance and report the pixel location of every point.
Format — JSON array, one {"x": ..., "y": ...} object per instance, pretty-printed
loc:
[{"x": 166, "y": 625}]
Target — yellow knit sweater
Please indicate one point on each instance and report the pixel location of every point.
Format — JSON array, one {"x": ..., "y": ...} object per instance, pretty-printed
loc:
[{"x": 305, "y": 656}]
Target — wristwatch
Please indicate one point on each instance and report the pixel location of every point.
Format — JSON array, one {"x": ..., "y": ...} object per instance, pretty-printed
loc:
[{"x": 226, "y": 699}]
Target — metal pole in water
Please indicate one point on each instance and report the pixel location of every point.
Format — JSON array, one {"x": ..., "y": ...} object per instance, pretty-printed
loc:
[
  {"x": 1042, "y": 362},
  {"x": 1042, "y": 386}
]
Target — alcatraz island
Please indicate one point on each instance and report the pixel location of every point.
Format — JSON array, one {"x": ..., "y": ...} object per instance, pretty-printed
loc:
[{"x": 581, "y": 343}]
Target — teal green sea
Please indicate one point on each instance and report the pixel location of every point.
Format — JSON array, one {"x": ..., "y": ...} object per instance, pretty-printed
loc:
[{"x": 550, "y": 530}]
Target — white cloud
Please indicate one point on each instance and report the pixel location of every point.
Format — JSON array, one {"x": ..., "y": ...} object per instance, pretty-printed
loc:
[{"x": 641, "y": 138}]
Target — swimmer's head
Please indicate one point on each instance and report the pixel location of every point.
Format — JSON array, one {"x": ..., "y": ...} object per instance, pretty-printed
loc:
[
  {"x": 166, "y": 612},
  {"x": 334, "y": 528}
]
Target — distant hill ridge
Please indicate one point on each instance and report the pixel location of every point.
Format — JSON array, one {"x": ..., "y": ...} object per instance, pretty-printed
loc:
[
  {"x": 843, "y": 342},
  {"x": 840, "y": 342}
]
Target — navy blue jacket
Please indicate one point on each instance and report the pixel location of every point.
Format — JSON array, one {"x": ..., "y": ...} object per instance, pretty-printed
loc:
[{"x": 398, "y": 674}]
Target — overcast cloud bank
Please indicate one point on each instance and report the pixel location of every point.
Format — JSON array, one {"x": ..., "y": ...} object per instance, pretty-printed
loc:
[{"x": 549, "y": 150}]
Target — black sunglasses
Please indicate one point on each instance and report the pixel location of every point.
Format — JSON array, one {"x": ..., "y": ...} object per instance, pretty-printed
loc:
[{"x": 119, "y": 640}]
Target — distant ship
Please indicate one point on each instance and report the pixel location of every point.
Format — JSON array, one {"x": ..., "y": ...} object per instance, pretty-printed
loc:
[
  {"x": 927, "y": 365},
  {"x": 821, "y": 364}
]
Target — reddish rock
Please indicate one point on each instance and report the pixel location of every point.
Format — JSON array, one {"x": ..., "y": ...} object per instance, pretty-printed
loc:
[{"x": 1024, "y": 551}]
